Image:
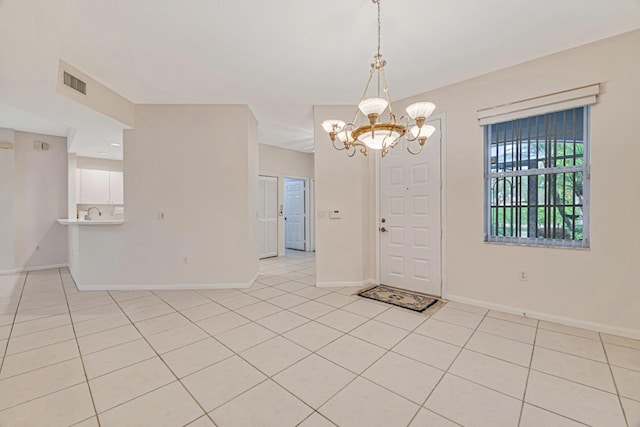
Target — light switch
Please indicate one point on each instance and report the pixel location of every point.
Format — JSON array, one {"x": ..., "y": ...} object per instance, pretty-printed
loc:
[{"x": 335, "y": 214}]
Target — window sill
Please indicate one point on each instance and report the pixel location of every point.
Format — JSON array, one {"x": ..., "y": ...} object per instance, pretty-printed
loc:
[{"x": 532, "y": 245}]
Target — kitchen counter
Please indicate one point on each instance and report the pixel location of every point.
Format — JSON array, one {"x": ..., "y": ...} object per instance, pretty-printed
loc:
[{"x": 90, "y": 222}]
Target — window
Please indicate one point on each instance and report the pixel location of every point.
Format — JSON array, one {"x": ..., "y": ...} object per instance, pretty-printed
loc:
[{"x": 537, "y": 180}]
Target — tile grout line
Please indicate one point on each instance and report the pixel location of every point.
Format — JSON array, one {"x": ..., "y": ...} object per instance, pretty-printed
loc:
[
  {"x": 357, "y": 375},
  {"x": 143, "y": 337},
  {"x": 376, "y": 361},
  {"x": 613, "y": 378},
  {"x": 84, "y": 369},
  {"x": 163, "y": 362},
  {"x": 15, "y": 316},
  {"x": 526, "y": 383},
  {"x": 315, "y": 411},
  {"x": 271, "y": 377},
  {"x": 234, "y": 353},
  {"x": 48, "y": 393},
  {"x": 342, "y": 334},
  {"x": 558, "y": 414},
  {"x": 448, "y": 368}
]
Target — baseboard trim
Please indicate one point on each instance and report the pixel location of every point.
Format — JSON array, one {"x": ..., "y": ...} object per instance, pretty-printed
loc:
[
  {"x": 34, "y": 268},
  {"x": 613, "y": 330},
  {"x": 345, "y": 284},
  {"x": 163, "y": 287},
  {"x": 167, "y": 286}
]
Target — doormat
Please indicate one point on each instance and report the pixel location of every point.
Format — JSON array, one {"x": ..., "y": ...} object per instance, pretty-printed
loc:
[{"x": 404, "y": 299}]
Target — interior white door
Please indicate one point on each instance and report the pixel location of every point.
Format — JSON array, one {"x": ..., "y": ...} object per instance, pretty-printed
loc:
[
  {"x": 294, "y": 215},
  {"x": 410, "y": 223},
  {"x": 268, "y": 216}
]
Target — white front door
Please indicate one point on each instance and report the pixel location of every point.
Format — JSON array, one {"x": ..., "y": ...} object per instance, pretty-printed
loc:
[
  {"x": 294, "y": 213},
  {"x": 410, "y": 228},
  {"x": 268, "y": 216}
]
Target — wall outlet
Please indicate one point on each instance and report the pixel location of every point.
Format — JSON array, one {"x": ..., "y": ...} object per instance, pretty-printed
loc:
[
  {"x": 160, "y": 215},
  {"x": 186, "y": 260},
  {"x": 523, "y": 276}
]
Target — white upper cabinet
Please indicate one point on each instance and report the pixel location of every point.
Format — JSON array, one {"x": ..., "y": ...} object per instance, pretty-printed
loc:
[
  {"x": 116, "y": 188},
  {"x": 93, "y": 187},
  {"x": 98, "y": 187}
]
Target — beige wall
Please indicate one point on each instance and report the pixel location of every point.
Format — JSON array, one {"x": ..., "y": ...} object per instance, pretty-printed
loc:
[
  {"x": 281, "y": 163},
  {"x": 252, "y": 156},
  {"x": 276, "y": 161},
  {"x": 598, "y": 286},
  {"x": 196, "y": 164},
  {"x": 40, "y": 191},
  {"x": 7, "y": 209},
  {"x": 343, "y": 246}
]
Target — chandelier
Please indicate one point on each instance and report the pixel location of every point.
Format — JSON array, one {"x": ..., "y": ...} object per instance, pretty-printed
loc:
[{"x": 378, "y": 134}]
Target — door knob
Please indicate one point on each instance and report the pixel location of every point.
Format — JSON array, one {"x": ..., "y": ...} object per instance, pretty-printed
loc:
[{"x": 383, "y": 230}]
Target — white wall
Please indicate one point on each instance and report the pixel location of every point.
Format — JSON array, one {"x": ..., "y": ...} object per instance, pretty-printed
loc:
[
  {"x": 40, "y": 189},
  {"x": 7, "y": 208},
  {"x": 197, "y": 164},
  {"x": 100, "y": 164},
  {"x": 343, "y": 246},
  {"x": 281, "y": 163},
  {"x": 252, "y": 155},
  {"x": 72, "y": 181},
  {"x": 598, "y": 286},
  {"x": 98, "y": 97}
]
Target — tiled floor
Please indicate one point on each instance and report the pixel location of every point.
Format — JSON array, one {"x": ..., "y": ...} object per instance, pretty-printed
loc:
[{"x": 285, "y": 353}]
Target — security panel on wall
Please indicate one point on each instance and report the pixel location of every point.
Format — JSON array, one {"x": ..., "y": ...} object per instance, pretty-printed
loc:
[{"x": 294, "y": 213}]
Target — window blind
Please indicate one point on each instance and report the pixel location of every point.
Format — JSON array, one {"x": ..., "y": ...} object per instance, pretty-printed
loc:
[{"x": 579, "y": 97}]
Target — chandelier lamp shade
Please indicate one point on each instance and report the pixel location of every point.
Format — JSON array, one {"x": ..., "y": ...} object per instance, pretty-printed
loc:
[{"x": 375, "y": 133}]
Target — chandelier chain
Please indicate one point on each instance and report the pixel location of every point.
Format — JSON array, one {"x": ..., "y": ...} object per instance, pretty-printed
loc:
[
  {"x": 378, "y": 3},
  {"x": 379, "y": 134}
]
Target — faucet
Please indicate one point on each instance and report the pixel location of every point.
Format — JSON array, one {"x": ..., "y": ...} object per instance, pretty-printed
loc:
[{"x": 87, "y": 217}]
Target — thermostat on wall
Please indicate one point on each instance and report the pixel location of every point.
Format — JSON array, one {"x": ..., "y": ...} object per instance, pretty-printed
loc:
[{"x": 335, "y": 214}]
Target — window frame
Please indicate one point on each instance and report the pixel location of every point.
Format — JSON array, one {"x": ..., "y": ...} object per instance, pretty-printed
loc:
[{"x": 585, "y": 168}]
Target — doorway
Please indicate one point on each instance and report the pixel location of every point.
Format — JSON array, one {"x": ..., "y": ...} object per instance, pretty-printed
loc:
[
  {"x": 268, "y": 216},
  {"x": 410, "y": 229},
  {"x": 295, "y": 213}
]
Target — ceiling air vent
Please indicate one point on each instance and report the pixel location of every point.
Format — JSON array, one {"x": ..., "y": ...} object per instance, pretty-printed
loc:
[{"x": 75, "y": 83}]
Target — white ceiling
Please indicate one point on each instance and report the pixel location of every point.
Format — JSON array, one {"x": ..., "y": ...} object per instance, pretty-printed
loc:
[{"x": 280, "y": 57}]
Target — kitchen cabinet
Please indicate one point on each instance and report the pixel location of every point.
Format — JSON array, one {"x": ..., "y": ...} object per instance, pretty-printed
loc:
[
  {"x": 98, "y": 187},
  {"x": 116, "y": 188}
]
